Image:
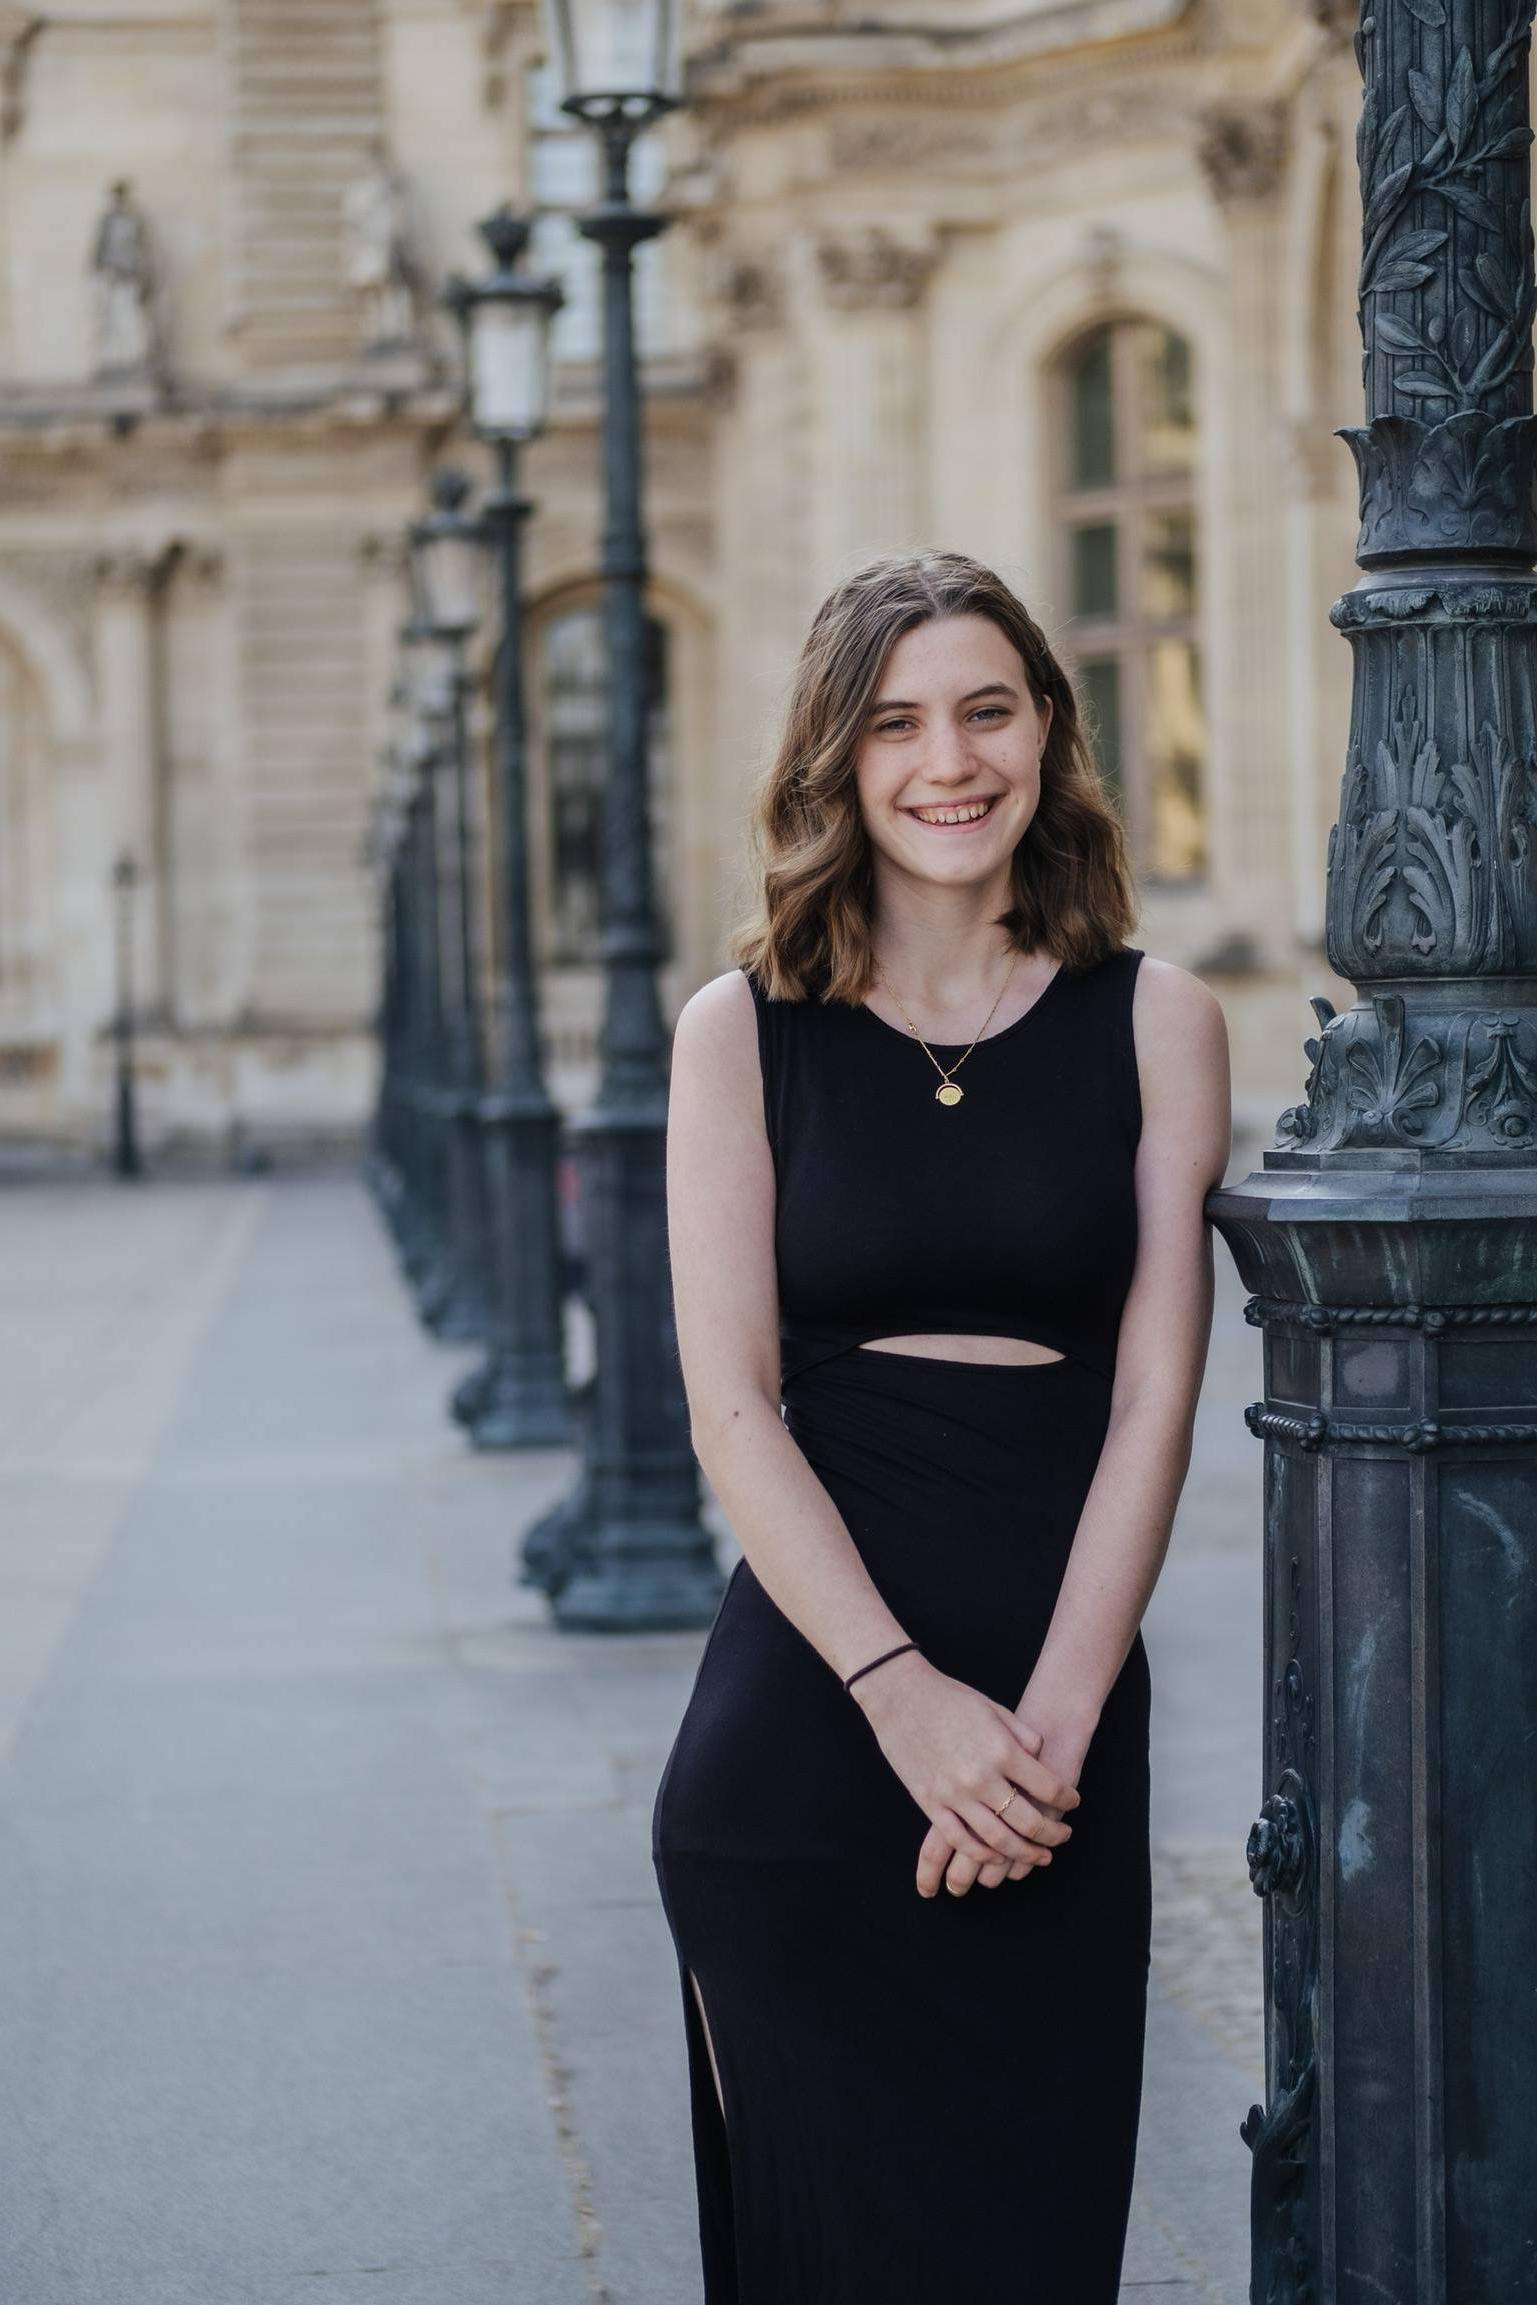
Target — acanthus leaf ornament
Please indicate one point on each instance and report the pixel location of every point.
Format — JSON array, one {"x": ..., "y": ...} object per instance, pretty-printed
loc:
[{"x": 1390, "y": 1087}]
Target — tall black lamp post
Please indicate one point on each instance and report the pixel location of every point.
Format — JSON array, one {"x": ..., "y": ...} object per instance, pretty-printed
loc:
[
  {"x": 638, "y": 1553},
  {"x": 408, "y": 1180},
  {"x": 446, "y": 573},
  {"x": 518, "y": 1398},
  {"x": 430, "y": 1261},
  {"x": 1390, "y": 1240},
  {"x": 127, "y": 1161}
]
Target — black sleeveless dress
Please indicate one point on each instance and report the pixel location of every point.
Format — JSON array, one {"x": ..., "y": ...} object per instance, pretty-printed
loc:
[{"x": 925, "y": 2099}]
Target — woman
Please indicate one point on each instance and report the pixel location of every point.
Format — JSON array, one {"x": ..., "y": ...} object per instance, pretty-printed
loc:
[{"x": 942, "y": 1339}]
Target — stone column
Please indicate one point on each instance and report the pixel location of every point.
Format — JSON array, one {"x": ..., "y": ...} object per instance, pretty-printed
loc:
[{"x": 1391, "y": 1242}]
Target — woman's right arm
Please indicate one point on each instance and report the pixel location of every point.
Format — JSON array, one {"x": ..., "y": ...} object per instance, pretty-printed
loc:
[{"x": 947, "y": 1742}]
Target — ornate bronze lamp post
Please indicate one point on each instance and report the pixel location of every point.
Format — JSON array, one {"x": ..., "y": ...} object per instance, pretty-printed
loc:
[
  {"x": 518, "y": 1399},
  {"x": 1391, "y": 1242},
  {"x": 635, "y": 1552}
]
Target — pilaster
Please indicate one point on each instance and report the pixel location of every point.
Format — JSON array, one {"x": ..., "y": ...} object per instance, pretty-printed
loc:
[
  {"x": 128, "y": 584},
  {"x": 1243, "y": 151},
  {"x": 869, "y": 349}
]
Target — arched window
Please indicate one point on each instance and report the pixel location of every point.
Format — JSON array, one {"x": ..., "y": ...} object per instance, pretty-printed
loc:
[
  {"x": 1130, "y": 575},
  {"x": 573, "y": 684}
]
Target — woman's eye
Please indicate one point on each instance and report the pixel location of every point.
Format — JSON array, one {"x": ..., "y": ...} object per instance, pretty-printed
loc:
[
  {"x": 888, "y": 727},
  {"x": 990, "y": 712}
]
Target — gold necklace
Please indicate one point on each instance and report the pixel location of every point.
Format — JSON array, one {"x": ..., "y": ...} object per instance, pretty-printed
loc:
[{"x": 949, "y": 1090}]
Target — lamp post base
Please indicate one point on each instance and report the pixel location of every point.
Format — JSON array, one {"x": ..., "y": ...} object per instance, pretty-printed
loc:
[
  {"x": 503, "y": 1405},
  {"x": 546, "y": 1557},
  {"x": 1396, "y": 1839},
  {"x": 453, "y": 1304},
  {"x": 640, "y": 1577}
]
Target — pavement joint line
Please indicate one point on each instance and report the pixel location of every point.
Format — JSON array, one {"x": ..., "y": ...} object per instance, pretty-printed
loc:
[{"x": 538, "y": 1975}]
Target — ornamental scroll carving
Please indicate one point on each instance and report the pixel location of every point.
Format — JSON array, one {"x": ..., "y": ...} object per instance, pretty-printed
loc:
[{"x": 1283, "y": 1867}]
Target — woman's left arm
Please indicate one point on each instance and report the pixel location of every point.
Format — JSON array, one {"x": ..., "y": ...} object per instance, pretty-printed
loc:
[{"x": 1123, "y": 1530}]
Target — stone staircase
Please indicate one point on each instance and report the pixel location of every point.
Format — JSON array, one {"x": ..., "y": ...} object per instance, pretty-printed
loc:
[{"x": 305, "y": 104}]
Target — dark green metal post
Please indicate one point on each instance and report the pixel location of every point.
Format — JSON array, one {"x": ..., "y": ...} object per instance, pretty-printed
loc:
[
  {"x": 1391, "y": 1242},
  {"x": 459, "y": 1312},
  {"x": 633, "y": 1552},
  {"x": 127, "y": 1160},
  {"x": 518, "y": 1399}
]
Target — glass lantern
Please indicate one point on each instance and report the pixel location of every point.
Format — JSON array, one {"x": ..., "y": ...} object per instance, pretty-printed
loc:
[{"x": 615, "y": 53}]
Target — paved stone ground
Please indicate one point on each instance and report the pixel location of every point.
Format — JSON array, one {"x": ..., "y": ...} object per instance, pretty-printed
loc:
[{"x": 331, "y": 1966}]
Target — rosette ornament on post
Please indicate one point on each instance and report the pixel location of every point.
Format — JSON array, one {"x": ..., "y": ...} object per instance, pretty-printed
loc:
[{"x": 1391, "y": 1242}]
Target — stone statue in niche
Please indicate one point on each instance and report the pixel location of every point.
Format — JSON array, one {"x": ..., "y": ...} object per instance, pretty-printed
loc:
[
  {"x": 383, "y": 264},
  {"x": 127, "y": 327}
]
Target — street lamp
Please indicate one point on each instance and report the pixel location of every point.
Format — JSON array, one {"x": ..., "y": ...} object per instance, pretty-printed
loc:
[
  {"x": 636, "y": 1554},
  {"x": 430, "y": 1262},
  {"x": 622, "y": 57},
  {"x": 408, "y": 1200},
  {"x": 445, "y": 567},
  {"x": 518, "y": 1398},
  {"x": 1388, "y": 1239},
  {"x": 126, "y": 1158}
]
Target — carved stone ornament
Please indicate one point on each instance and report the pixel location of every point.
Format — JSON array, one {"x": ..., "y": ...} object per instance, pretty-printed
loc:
[
  {"x": 1468, "y": 483},
  {"x": 870, "y": 267},
  {"x": 751, "y": 286},
  {"x": 1341, "y": 19},
  {"x": 1242, "y": 149}
]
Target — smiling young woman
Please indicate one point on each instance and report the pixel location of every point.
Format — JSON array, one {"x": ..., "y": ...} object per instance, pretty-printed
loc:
[{"x": 937, "y": 1157}]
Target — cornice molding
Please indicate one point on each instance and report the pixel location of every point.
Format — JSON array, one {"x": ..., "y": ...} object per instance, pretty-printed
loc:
[{"x": 755, "y": 79}]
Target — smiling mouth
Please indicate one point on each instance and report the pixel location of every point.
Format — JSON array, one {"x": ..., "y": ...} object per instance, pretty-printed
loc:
[{"x": 955, "y": 813}]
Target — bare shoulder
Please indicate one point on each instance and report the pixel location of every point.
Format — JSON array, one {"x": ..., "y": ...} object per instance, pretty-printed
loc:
[
  {"x": 1182, "y": 1063},
  {"x": 715, "y": 1039},
  {"x": 1176, "y": 1019}
]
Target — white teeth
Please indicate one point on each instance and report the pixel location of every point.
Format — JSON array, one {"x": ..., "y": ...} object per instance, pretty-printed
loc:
[{"x": 953, "y": 815}]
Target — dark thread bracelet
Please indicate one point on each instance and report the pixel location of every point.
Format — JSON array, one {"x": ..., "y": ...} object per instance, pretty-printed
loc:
[{"x": 874, "y": 1661}]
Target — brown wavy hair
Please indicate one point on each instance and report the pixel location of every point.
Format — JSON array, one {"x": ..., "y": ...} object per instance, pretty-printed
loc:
[{"x": 810, "y": 933}]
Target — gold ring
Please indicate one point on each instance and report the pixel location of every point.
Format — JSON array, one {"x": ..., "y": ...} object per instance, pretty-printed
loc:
[{"x": 1012, "y": 1791}]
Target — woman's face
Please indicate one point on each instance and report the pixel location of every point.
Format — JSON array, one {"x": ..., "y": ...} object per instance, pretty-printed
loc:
[{"x": 948, "y": 769}]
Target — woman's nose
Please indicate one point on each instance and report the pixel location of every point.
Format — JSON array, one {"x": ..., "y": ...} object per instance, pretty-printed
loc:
[{"x": 945, "y": 756}]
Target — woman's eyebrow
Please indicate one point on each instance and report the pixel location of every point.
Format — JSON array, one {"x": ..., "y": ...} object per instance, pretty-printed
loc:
[{"x": 903, "y": 704}]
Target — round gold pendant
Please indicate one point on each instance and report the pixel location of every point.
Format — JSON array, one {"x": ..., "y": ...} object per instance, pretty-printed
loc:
[{"x": 949, "y": 1092}]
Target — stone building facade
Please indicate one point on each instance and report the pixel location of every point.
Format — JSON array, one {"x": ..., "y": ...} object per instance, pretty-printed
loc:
[{"x": 1068, "y": 286}]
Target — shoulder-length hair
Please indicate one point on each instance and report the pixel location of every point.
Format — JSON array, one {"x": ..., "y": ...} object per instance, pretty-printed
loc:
[{"x": 810, "y": 933}]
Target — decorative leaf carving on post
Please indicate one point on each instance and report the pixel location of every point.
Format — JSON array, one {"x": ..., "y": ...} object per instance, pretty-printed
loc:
[{"x": 1447, "y": 291}]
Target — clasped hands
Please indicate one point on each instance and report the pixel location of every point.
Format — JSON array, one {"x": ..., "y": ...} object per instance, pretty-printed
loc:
[{"x": 959, "y": 1752}]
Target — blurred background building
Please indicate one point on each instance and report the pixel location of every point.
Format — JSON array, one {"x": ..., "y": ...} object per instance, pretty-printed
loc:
[{"x": 1067, "y": 286}]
